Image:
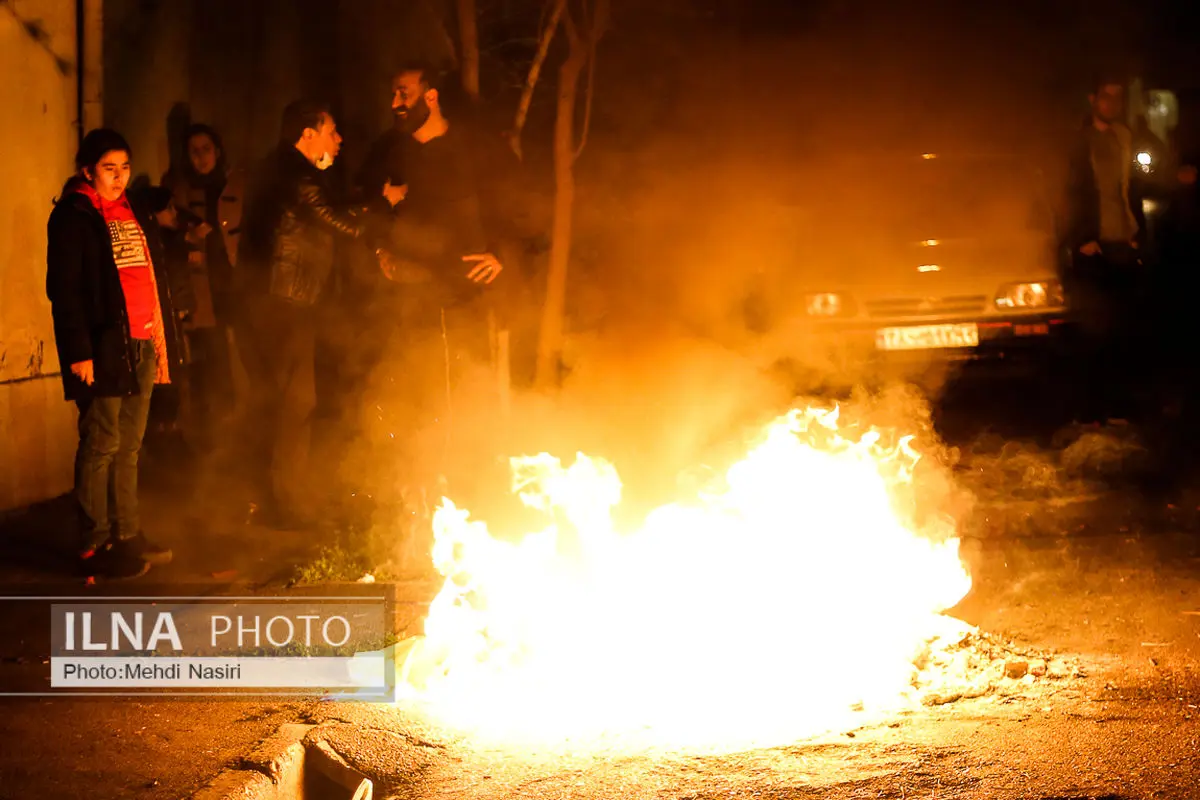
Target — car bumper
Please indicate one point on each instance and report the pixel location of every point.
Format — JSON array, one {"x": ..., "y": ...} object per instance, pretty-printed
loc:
[{"x": 1001, "y": 340}]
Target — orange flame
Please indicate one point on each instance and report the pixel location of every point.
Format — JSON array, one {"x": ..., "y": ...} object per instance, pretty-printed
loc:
[{"x": 788, "y": 601}]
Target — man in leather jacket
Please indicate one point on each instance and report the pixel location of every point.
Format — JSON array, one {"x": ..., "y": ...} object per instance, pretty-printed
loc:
[{"x": 292, "y": 232}]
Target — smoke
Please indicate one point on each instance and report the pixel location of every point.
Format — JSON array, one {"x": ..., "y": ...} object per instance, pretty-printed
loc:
[
  {"x": 671, "y": 408},
  {"x": 715, "y": 193}
]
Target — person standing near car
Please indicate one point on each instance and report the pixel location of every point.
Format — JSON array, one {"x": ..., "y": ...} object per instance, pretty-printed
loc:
[
  {"x": 1106, "y": 280},
  {"x": 115, "y": 334}
]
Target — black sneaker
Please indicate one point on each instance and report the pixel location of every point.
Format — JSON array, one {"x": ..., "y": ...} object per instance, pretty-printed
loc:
[
  {"x": 112, "y": 561},
  {"x": 146, "y": 550}
]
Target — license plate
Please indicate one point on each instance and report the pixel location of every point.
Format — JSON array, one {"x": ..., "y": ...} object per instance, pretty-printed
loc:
[{"x": 928, "y": 337}]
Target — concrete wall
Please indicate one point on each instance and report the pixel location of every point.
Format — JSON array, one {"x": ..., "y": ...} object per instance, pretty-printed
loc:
[{"x": 37, "y": 427}]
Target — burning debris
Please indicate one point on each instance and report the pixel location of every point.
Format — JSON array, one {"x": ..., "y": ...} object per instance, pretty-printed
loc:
[
  {"x": 962, "y": 663},
  {"x": 800, "y": 594}
]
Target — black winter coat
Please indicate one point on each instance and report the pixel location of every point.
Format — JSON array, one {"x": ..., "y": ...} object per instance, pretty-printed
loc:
[
  {"x": 294, "y": 228},
  {"x": 88, "y": 304}
]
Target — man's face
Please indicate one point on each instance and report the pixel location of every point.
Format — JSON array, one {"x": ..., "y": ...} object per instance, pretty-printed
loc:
[
  {"x": 1109, "y": 102},
  {"x": 202, "y": 152},
  {"x": 325, "y": 138},
  {"x": 408, "y": 100},
  {"x": 110, "y": 176}
]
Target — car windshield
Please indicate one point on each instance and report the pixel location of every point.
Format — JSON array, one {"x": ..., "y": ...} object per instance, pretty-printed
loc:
[{"x": 940, "y": 198}]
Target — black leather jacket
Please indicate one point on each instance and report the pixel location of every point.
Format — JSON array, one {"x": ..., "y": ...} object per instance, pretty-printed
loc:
[{"x": 304, "y": 229}]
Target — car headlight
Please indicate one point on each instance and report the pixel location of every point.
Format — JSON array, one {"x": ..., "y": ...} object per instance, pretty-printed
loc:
[
  {"x": 1040, "y": 294},
  {"x": 826, "y": 304}
]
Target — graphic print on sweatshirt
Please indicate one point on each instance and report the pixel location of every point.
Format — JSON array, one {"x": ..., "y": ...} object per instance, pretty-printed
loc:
[
  {"x": 128, "y": 244},
  {"x": 133, "y": 265}
]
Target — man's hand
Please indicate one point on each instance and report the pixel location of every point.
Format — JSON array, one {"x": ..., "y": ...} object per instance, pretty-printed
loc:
[
  {"x": 399, "y": 272},
  {"x": 386, "y": 263},
  {"x": 395, "y": 194},
  {"x": 85, "y": 371},
  {"x": 1090, "y": 249},
  {"x": 486, "y": 268}
]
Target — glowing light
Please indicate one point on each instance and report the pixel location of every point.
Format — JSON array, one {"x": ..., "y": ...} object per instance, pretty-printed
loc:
[
  {"x": 826, "y": 304},
  {"x": 1030, "y": 295},
  {"x": 930, "y": 243},
  {"x": 788, "y": 599},
  {"x": 929, "y": 268},
  {"x": 1144, "y": 159}
]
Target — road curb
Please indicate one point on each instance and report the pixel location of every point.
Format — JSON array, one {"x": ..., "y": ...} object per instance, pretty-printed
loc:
[
  {"x": 295, "y": 763},
  {"x": 274, "y": 770}
]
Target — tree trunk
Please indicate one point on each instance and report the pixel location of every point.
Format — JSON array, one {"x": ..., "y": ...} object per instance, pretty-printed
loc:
[
  {"x": 468, "y": 34},
  {"x": 550, "y": 338}
]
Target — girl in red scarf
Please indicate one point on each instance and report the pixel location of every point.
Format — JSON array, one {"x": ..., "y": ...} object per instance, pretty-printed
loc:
[{"x": 114, "y": 330}]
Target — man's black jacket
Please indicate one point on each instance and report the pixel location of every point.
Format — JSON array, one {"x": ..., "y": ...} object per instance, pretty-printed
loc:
[{"x": 294, "y": 230}]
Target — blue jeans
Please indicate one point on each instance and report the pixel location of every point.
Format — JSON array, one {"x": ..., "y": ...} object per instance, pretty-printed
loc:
[{"x": 110, "y": 439}]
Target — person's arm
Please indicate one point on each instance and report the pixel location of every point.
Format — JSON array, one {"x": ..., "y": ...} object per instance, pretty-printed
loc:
[
  {"x": 312, "y": 198},
  {"x": 398, "y": 269},
  {"x": 65, "y": 287},
  {"x": 179, "y": 255},
  {"x": 1080, "y": 228}
]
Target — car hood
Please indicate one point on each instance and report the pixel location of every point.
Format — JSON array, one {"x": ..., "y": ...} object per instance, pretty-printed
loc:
[{"x": 932, "y": 267}]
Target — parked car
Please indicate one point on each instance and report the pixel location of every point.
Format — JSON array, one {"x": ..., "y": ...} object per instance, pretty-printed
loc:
[{"x": 926, "y": 258}]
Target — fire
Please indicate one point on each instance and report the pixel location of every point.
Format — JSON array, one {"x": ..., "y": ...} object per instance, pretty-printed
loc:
[{"x": 790, "y": 599}]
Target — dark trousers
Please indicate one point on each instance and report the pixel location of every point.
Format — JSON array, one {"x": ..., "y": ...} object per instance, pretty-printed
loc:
[
  {"x": 209, "y": 381},
  {"x": 286, "y": 344},
  {"x": 1108, "y": 294},
  {"x": 110, "y": 441}
]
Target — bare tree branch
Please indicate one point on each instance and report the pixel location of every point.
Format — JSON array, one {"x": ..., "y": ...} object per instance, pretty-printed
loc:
[
  {"x": 535, "y": 70},
  {"x": 447, "y": 39},
  {"x": 596, "y": 29},
  {"x": 468, "y": 32},
  {"x": 588, "y": 93},
  {"x": 569, "y": 26}
]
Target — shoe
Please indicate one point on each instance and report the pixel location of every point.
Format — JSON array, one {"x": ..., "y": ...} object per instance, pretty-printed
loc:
[
  {"x": 112, "y": 560},
  {"x": 147, "y": 551}
]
